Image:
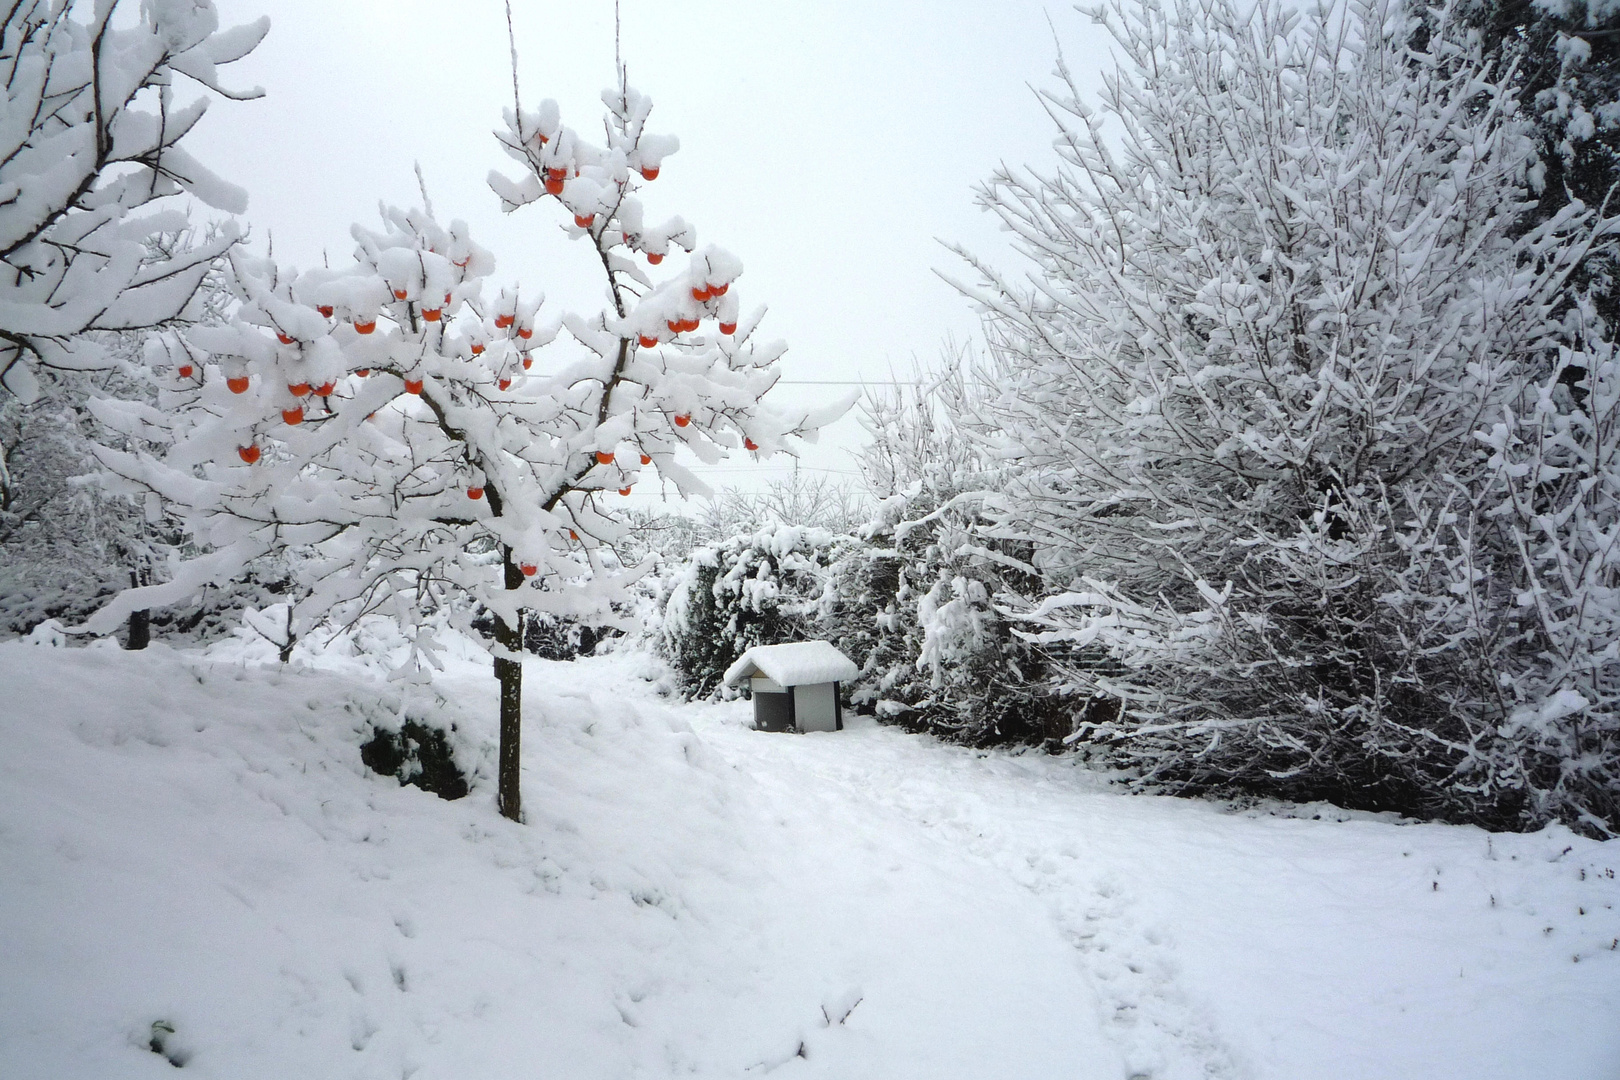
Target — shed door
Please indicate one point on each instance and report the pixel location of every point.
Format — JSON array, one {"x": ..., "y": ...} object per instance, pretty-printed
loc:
[
  {"x": 773, "y": 712},
  {"x": 815, "y": 706}
]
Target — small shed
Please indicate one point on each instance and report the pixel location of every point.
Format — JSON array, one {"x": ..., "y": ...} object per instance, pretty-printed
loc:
[{"x": 795, "y": 686}]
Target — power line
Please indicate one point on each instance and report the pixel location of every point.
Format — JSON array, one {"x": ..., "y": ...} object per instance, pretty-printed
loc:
[
  {"x": 762, "y": 465},
  {"x": 873, "y": 383}
]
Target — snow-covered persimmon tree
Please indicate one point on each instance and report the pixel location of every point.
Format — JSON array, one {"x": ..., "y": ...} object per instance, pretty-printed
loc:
[
  {"x": 398, "y": 427},
  {"x": 90, "y": 159},
  {"x": 1268, "y": 388}
]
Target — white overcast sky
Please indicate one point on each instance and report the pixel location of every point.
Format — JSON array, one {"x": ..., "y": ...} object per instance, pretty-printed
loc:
[{"x": 831, "y": 144}]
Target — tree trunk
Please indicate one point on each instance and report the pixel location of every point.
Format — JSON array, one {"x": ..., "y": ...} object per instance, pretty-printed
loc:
[
  {"x": 509, "y": 639},
  {"x": 140, "y": 622},
  {"x": 140, "y": 629}
]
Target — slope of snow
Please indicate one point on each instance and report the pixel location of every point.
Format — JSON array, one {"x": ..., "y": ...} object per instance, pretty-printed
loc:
[{"x": 195, "y": 843}]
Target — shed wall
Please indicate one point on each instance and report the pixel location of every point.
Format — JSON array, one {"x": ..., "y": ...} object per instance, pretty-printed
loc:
[{"x": 815, "y": 706}]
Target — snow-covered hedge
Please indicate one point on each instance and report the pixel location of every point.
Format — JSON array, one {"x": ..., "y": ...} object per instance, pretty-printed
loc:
[
  {"x": 914, "y": 603},
  {"x": 1315, "y": 454},
  {"x": 914, "y": 596},
  {"x": 762, "y": 588}
]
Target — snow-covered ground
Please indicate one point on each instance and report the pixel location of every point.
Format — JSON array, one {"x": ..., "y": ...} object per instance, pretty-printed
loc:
[{"x": 194, "y": 843}]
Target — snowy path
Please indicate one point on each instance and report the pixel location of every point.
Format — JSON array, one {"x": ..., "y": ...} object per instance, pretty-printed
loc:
[
  {"x": 1228, "y": 945},
  {"x": 866, "y": 782},
  {"x": 196, "y": 845}
]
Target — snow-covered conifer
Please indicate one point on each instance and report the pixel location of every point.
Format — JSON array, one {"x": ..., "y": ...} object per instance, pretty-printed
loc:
[
  {"x": 915, "y": 603},
  {"x": 762, "y": 587}
]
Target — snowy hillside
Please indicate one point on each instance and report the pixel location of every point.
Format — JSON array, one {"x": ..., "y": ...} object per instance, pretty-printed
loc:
[{"x": 194, "y": 844}]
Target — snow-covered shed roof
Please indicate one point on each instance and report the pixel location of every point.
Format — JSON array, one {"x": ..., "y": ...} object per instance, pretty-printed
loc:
[{"x": 794, "y": 665}]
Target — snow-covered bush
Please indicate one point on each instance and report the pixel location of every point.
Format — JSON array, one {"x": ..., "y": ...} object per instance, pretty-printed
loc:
[
  {"x": 761, "y": 588},
  {"x": 1564, "y": 59},
  {"x": 1309, "y": 500},
  {"x": 395, "y": 425},
  {"x": 90, "y": 165},
  {"x": 914, "y": 603},
  {"x": 60, "y": 556},
  {"x": 67, "y": 544}
]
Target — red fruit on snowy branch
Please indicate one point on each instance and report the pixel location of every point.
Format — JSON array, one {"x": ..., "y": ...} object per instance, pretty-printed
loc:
[
  {"x": 293, "y": 416},
  {"x": 334, "y": 485},
  {"x": 750, "y": 444},
  {"x": 185, "y": 371},
  {"x": 326, "y": 389},
  {"x": 237, "y": 384},
  {"x": 298, "y": 389},
  {"x": 283, "y": 338},
  {"x": 728, "y": 328},
  {"x": 649, "y": 173},
  {"x": 325, "y": 310},
  {"x": 363, "y": 372},
  {"x": 248, "y": 453}
]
